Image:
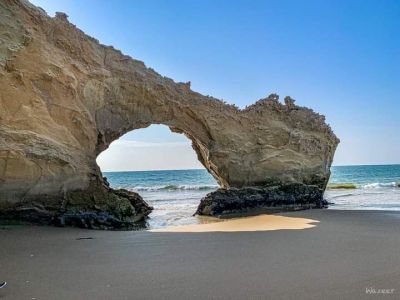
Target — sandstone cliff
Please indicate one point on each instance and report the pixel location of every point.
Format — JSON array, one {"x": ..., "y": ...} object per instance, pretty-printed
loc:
[{"x": 64, "y": 98}]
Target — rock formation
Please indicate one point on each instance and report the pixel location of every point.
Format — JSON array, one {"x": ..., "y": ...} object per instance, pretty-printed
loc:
[{"x": 64, "y": 98}]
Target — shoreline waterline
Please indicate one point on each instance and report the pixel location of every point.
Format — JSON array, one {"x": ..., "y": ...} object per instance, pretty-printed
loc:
[{"x": 176, "y": 194}]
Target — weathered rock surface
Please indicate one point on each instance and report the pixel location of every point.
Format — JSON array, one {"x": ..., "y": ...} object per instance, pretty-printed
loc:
[
  {"x": 64, "y": 98},
  {"x": 291, "y": 196}
]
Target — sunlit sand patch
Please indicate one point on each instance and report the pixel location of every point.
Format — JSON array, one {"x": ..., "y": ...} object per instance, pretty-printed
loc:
[{"x": 256, "y": 223}]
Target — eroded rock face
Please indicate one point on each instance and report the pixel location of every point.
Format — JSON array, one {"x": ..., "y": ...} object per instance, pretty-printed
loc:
[
  {"x": 64, "y": 98},
  {"x": 249, "y": 200}
]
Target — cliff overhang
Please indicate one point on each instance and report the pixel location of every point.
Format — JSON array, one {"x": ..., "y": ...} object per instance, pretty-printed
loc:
[{"x": 65, "y": 97}]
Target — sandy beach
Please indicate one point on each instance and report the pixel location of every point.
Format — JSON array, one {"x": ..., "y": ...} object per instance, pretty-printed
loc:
[
  {"x": 346, "y": 255},
  {"x": 245, "y": 224}
]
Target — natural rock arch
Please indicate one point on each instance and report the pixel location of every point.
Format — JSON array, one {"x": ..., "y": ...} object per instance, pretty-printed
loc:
[
  {"x": 65, "y": 98},
  {"x": 174, "y": 111}
]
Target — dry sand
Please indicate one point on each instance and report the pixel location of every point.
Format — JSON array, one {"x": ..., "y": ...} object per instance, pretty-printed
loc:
[
  {"x": 256, "y": 223},
  {"x": 347, "y": 255}
]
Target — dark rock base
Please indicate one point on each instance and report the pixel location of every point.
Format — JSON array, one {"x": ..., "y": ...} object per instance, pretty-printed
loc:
[
  {"x": 252, "y": 200},
  {"x": 83, "y": 219},
  {"x": 123, "y": 210}
]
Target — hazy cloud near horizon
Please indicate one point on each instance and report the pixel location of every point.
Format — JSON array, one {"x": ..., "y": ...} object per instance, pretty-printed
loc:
[{"x": 126, "y": 155}]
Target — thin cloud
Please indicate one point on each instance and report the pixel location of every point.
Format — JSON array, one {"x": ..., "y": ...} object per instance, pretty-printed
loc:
[{"x": 139, "y": 144}]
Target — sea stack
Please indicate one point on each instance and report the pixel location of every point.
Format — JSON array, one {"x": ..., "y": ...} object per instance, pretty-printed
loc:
[{"x": 64, "y": 97}]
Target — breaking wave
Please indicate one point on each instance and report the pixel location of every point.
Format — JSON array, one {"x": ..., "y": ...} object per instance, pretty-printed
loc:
[
  {"x": 367, "y": 186},
  {"x": 376, "y": 185},
  {"x": 173, "y": 187}
]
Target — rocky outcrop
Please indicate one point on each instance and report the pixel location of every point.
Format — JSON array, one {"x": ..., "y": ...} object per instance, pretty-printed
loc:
[
  {"x": 249, "y": 200},
  {"x": 64, "y": 98}
]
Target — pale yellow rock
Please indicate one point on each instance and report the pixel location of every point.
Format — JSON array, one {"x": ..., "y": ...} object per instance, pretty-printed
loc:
[{"x": 64, "y": 98}]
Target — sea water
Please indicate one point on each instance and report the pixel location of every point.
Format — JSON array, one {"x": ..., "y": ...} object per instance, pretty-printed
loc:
[
  {"x": 175, "y": 194},
  {"x": 377, "y": 187}
]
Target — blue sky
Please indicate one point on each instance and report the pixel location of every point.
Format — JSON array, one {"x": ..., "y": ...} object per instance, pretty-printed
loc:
[{"x": 341, "y": 58}]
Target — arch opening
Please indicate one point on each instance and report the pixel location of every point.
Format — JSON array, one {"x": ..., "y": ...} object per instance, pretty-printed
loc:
[{"x": 163, "y": 168}]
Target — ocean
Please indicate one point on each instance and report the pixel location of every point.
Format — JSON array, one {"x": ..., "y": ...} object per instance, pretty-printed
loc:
[{"x": 175, "y": 194}]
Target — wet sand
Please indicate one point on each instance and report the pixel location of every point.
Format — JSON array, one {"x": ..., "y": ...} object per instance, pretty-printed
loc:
[{"x": 346, "y": 255}]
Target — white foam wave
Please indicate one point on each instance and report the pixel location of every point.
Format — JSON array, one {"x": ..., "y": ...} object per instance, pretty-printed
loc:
[
  {"x": 377, "y": 185},
  {"x": 173, "y": 187},
  {"x": 367, "y": 186}
]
